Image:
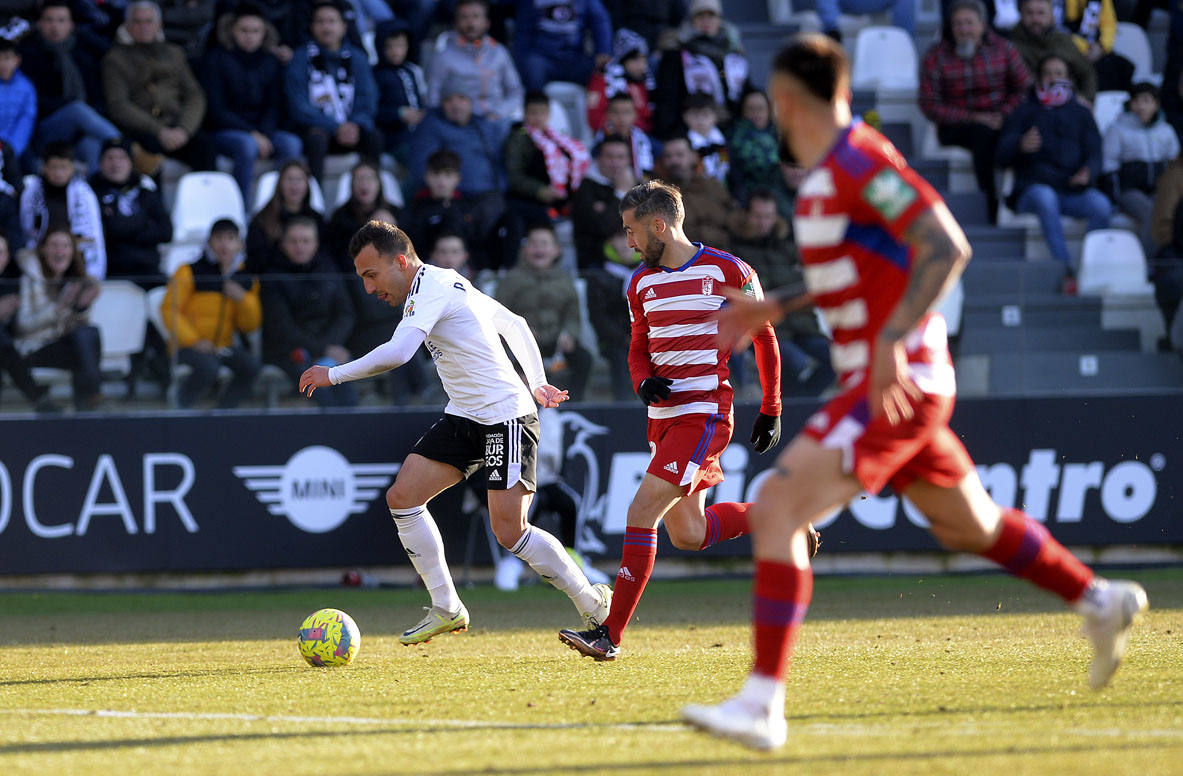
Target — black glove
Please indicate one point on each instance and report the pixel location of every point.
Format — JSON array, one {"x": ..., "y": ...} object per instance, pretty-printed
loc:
[
  {"x": 765, "y": 432},
  {"x": 654, "y": 389}
]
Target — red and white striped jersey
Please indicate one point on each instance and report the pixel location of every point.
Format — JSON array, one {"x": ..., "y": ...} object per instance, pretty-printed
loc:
[
  {"x": 674, "y": 331},
  {"x": 852, "y": 212}
]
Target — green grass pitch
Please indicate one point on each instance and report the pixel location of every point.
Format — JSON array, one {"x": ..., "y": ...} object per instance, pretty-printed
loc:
[{"x": 893, "y": 675}]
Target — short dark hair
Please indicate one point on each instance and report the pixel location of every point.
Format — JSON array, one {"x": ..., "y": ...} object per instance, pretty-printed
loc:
[
  {"x": 623, "y": 96},
  {"x": 536, "y": 97},
  {"x": 1059, "y": 58},
  {"x": 55, "y": 4},
  {"x": 762, "y": 193},
  {"x": 7, "y": 44},
  {"x": 443, "y": 161},
  {"x": 248, "y": 8},
  {"x": 654, "y": 198},
  {"x": 301, "y": 221},
  {"x": 222, "y": 226},
  {"x": 613, "y": 138},
  {"x": 818, "y": 62},
  {"x": 698, "y": 101},
  {"x": 542, "y": 226},
  {"x": 58, "y": 149},
  {"x": 319, "y": 4},
  {"x": 386, "y": 238},
  {"x": 460, "y": 3}
]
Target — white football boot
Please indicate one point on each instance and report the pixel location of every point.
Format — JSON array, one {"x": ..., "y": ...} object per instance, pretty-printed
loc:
[
  {"x": 741, "y": 721},
  {"x": 1109, "y": 609},
  {"x": 436, "y": 622}
]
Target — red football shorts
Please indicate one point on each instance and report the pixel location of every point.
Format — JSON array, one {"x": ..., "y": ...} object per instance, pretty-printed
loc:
[
  {"x": 686, "y": 449},
  {"x": 878, "y": 453}
]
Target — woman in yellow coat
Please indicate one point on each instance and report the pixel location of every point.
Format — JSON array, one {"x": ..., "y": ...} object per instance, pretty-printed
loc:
[{"x": 207, "y": 304}]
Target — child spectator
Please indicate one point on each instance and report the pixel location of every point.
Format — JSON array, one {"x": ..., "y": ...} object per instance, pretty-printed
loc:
[
  {"x": 208, "y": 302},
  {"x": 52, "y": 322},
  {"x": 621, "y": 119},
  {"x": 608, "y": 309},
  {"x": 18, "y": 100},
  {"x": 442, "y": 206},
  {"x": 57, "y": 198},
  {"x": 448, "y": 251},
  {"x": 1136, "y": 150},
  {"x": 753, "y": 147},
  {"x": 11, "y": 361},
  {"x": 292, "y": 199},
  {"x": 702, "y": 122},
  {"x": 402, "y": 90},
  {"x": 542, "y": 293},
  {"x": 543, "y": 167},
  {"x": 627, "y": 73}
]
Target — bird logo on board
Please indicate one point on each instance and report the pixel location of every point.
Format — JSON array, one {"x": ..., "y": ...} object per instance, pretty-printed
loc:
[
  {"x": 708, "y": 286},
  {"x": 888, "y": 193}
]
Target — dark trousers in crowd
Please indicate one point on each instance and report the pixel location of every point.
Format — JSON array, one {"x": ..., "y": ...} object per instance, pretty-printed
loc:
[
  {"x": 568, "y": 370},
  {"x": 198, "y": 153},
  {"x": 558, "y": 498},
  {"x": 980, "y": 141},
  {"x": 17, "y": 368},
  {"x": 80, "y": 351},
  {"x": 319, "y": 143},
  {"x": 204, "y": 376}
]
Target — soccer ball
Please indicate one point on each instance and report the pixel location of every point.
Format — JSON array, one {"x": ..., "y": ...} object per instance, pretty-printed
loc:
[{"x": 329, "y": 637}]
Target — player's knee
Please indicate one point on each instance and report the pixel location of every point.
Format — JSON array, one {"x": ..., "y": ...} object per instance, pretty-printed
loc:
[
  {"x": 683, "y": 538},
  {"x": 398, "y": 498}
]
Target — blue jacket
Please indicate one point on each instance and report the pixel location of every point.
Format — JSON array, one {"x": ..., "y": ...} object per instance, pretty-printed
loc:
[
  {"x": 1070, "y": 141},
  {"x": 243, "y": 91},
  {"x": 478, "y": 143},
  {"x": 550, "y": 27},
  {"x": 18, "y": 111},
  {"x": 401, "y": 86},
  {"x": 300, "y": 108}
]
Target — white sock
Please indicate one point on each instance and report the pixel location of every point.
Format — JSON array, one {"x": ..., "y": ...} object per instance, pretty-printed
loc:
[
  {"x": 421, "y": 539},
  {"x": 765, "y": 693},
  {"x": 543, "y": 553}
]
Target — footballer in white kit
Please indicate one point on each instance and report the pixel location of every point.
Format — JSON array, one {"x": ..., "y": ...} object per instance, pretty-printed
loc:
[{"x": 490, "y": 422}]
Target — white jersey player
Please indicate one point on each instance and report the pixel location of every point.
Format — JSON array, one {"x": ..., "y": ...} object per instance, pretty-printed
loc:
[{"x": 490, "y": 422}]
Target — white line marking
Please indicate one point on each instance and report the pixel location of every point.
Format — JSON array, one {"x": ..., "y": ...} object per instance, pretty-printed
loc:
[{"x": 218, "y": 716}]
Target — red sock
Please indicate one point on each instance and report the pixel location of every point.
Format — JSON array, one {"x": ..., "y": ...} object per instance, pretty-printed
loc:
[
  {"x": 1027, "y": 550},
  {"x": 725, "y": 521},
  {"x": 636, "y": 564},
  {"x": 780, "y": 598}
]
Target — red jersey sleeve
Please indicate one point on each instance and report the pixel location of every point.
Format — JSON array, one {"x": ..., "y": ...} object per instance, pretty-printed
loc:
[
  {"x": 640, "y": 365},
  {"x": 894, "y": 194}
]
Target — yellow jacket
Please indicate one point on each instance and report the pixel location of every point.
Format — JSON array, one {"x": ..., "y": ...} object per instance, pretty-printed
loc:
[
  {"x": 195, "y": 308},
  {"x": 1100, "y": 23}
]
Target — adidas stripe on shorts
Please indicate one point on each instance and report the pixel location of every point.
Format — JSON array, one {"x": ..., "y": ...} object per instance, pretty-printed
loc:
[
  {"x": 686, "y": 449},
  {"x": 508, "y": 452}
]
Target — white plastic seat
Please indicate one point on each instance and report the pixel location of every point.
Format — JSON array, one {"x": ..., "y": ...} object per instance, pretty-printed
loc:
[
  {"x": 573, "y": 99},
  {"x": 1131, "y": 42},
  {"x": 265, "y": 189},
  {"x": 390, "y": 188},
  {"x": 121, "y": 315},
  {"x": 885, "y": 58},
  {"x": 950, "y": 307},
  {"x": 201, "y": 199},
  {"x": 1107, "y": 107},
  {"x": 1112, "y": 262},
  {"x": 174, "y": 255}
]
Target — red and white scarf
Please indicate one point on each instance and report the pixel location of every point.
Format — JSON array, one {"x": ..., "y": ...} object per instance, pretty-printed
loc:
[{"x": 567, "y": 160}]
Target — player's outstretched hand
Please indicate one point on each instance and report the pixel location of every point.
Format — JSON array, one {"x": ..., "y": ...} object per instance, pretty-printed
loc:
[
  {"x": 890, "y": 391},
  {"x": 549, "y": 396},
  {"x": 314, "y": 377},
  {"x": 654, "y": 389},
  {"x": 765, "y": 432}
]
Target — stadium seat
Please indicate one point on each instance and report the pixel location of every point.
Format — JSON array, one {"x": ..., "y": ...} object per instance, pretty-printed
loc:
[
  {"x": 176, "y": 254},
  {"x": 201, "y": 199},
  {"x": 1112, "y": 262},
  {"x": 265, "y": 188},
  {"x": 885, "y": 58},
  {"x": 1107, "y": 107},
  {"x": 931, "y": 148},
  {"x": 121, "y": 315},
  {"x": 573, "y": 98},
  {"x": 1131, "y": 42},
  {"x": 390, "y": 188},
  {"x": 950, "y": 306}
]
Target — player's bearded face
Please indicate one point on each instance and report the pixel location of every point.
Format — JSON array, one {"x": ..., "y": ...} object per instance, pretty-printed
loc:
[{"x": 652, "y": 250}]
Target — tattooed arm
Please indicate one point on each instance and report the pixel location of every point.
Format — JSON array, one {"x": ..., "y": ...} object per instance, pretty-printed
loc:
[{"x": 940, "y": 252}]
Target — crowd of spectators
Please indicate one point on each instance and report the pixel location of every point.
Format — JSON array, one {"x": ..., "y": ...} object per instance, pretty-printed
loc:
[{"x": 450, "y": 99}]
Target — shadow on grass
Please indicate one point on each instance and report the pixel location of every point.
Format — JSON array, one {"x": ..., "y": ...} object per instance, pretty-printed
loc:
[
  {"x": 679, "y": 603},
  {"x": 62, "y": 747}
]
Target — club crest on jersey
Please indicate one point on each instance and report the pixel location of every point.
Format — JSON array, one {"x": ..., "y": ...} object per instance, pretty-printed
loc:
[
  {"x": 409, "y": 310},
  {"x": 708, "y": 286},
  {"x": 888, "y": 193}
]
